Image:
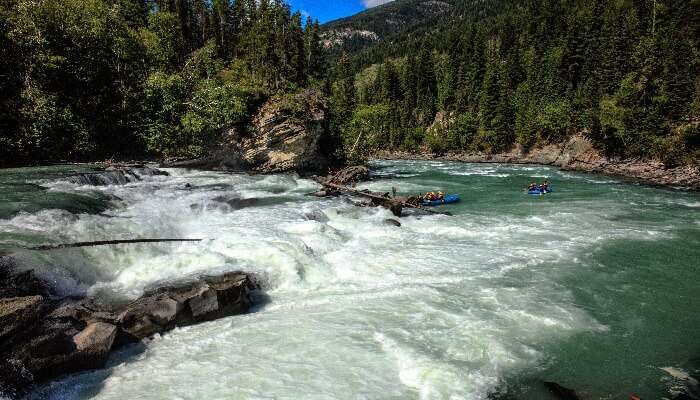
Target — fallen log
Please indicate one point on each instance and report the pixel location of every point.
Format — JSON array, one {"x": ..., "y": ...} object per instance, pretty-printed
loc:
[
  {"x": 105, "y": 243},
  {"x": 384, "y": 199}
]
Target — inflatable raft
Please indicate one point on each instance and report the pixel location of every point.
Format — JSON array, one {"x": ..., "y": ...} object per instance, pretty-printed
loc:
[
  {"x": 537, "y": 192},
  {"x": 449, "y": 198}
]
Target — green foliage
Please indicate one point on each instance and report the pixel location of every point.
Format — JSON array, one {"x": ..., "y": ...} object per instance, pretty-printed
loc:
[
  {"x": 683, "y": 147},
  {"x": 554, "y": 120},
  {"x": 462, "y": 132},
  {"x": 85, "y": 79},
  {"x": 532, "y": 73},
  {"x": 368, "y": 130},
  {"x": 413, "y": 139},
  {"x": 165, "y": 98},
  {"x": 183, "y": 119}
]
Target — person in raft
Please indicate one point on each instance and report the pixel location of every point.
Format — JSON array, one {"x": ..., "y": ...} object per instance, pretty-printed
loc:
[
  {"x": 532, "y": 186},
  {"x": 430, "y": 196},
  {"x": 544, "y": 186}
]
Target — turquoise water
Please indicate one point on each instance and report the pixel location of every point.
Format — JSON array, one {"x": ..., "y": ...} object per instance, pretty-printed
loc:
[{"x": 594, "y": 286}]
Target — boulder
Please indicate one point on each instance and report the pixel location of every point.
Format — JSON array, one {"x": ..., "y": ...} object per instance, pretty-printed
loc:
[
  {"x": 316, "y": 215},
  {"x": 94, "y": 343},
  {"x": 43, "y": 338},
  {"x": 148, "y": 316},
  {"x": 349, "y": 175},
  {"x": 232, "y": 292},
  {"x": 236, "y": 203},
  {"x": 17, "y": 283},
  {"x": 561, "y": 392},
  {"x": 18, "y": 312},
  {"x": 392, "y": 222}
]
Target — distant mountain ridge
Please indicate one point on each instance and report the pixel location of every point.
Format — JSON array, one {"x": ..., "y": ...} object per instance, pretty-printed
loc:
[{"x": 399, "y": 17}]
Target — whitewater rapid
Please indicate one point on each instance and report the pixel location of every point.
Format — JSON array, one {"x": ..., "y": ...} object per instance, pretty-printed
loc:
[{"x": 439, "y": 308}]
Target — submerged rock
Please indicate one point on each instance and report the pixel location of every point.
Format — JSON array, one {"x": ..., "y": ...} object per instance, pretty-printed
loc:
[
  {"x": 561, "y": 392},
  {"x": 236, "y": 203},
  {"x": 392, "y": 222},
  {"x": 45, "y": 337},
  {"x": 119, "y": 175}
]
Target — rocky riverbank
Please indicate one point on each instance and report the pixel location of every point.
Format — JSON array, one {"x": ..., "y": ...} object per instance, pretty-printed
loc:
[
  {"x": 44, "y": 335},
  {"x": 577, "y": 154}
]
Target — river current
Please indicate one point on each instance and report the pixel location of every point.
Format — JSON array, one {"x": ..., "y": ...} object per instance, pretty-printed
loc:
[{"x": 594, "y": 286}]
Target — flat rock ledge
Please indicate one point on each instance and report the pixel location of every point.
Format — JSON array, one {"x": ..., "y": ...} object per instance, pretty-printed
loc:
[{"x": 43, "y": 337}]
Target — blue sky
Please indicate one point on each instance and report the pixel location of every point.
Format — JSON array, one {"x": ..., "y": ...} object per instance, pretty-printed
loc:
[{"x": 327, "y": 10}]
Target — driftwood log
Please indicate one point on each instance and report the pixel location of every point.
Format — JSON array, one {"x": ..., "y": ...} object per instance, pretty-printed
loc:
[
  {"x": 395, "y": 204},
  {"x": 106, "y": 242}
]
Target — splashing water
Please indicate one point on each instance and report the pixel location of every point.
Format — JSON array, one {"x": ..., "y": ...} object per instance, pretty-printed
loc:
[{"x": 592, "y": 286}]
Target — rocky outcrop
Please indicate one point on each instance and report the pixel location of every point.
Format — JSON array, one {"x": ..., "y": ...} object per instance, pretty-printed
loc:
[
  {"x": 287, "y": 135},
  {"x": 577, "y": 154},
  {"x": 43, "y": 336}
]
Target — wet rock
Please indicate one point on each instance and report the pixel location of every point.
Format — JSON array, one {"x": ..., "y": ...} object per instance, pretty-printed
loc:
[
  {"x": 148, "y": 316},
  {"x": 392, "y": 222},
  {"x": 561, "y": 392},
  {"x": 395, "y": 207},
  {"x": 17, "y": 283},
  {"x": 114, "y": 175},
  {"x": 318, "y": 216},
  {"x": 349, "y": 175},
  {"x": 18, "y": 312},
  {"x": 232, "y": 292},
  {"x": 500, "y": 396},
  {"x": 94, "y": 343},
  {"x": 43, "y": 338},
  {"x": 325, "y": 193},
  {"x": 684, "y": 385},
  {"x": 235, "y": 202}
]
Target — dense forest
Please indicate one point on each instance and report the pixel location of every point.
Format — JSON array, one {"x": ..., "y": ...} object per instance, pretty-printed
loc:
[
  {"x": 625, "y": 73},
  {"x": 90, "y": 79},
  {"x": 95, "y": 79}
]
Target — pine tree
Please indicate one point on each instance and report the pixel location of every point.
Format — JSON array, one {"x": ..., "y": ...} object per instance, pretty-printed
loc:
[{"x": 314, "y": 52}]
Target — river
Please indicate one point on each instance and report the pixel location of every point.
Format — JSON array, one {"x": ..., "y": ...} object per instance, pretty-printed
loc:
[{"x": 594, "y": 286}]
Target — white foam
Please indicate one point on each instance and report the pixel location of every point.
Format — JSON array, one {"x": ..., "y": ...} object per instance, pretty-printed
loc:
[{"x": 357, "y": 308}]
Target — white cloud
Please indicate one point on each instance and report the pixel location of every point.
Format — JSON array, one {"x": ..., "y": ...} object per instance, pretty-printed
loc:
[{"x": 374, "y": 3}]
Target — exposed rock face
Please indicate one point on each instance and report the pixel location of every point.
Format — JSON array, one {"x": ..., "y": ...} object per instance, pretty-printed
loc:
[
  {"x": 43, "y": 337},
  {"x": 577, "y": 154},
  {"x": 287, "y": 136}
]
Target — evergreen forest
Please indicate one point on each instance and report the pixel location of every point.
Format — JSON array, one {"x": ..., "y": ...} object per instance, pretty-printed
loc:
[{"x": 100, "y": 79}]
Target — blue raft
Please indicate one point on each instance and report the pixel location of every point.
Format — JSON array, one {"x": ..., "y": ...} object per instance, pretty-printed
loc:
[
  {"x": 537, "y": 192},
  {"x": 450, "y": 198}
]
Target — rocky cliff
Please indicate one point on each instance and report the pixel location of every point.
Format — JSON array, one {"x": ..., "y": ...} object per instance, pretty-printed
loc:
[{"x": 287, "y": 134}]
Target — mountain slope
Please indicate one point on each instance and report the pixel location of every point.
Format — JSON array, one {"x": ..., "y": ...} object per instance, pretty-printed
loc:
[{"x": 399, "y": 17}]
